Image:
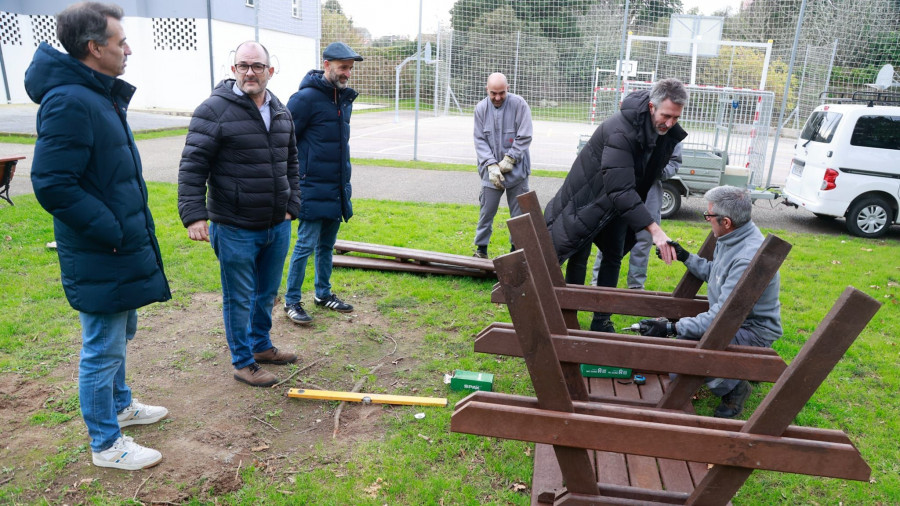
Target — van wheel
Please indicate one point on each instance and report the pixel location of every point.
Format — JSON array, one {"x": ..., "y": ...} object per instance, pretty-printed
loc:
[
  {"x": 869, "y": 217},
  {"x": 671, "y": 201}
]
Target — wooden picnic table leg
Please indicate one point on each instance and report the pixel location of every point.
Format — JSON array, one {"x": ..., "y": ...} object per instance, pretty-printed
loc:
[
  {"x": 840, "y": 328},
  {"x": 689, "y": 285},
  {"x": 547, "y": 377},
  {"x": 523, "y": 227}
]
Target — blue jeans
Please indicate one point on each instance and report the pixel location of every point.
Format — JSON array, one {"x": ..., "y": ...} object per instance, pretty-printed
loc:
[
  {"x": 318, "y": 235},
  {"x": 101, "y": 373},
  {"x": 250, "y": 263}
]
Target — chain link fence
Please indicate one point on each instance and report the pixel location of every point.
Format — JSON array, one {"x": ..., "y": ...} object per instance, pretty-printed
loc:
[{"x": 573, "y": 59}]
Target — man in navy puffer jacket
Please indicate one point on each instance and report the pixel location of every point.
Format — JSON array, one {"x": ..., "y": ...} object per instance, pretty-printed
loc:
[
  {"x": 240, "y": 144},
  {"x": 87, "y": 174},
  {"x": 321, "y": 110}
]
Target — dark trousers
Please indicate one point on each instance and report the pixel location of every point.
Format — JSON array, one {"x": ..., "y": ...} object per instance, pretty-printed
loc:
[{"x": 611, "y": 241}]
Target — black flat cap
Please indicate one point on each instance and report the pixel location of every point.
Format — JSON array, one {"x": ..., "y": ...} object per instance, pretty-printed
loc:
[{"x": 340, "y": 51}]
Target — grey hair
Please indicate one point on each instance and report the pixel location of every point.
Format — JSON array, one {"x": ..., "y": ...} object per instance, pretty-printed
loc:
[
  {"x": 671, "y": 89},
  {"x": 731, "y": 202},
  {"x": 83, "y": 22}
]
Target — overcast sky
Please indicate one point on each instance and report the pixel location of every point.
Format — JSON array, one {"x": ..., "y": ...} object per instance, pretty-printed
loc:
[{"x": 401, "y": 17}]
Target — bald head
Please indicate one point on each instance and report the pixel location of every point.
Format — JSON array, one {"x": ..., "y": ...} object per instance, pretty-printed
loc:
[{"x": 497, "y": 88}]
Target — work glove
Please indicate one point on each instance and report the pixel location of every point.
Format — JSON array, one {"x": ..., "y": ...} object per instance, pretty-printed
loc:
[
  {"x": 680, "y": 253},
  {"x": 496, "y": 175},
  {"x": 507, "y": 164},
  {"x": 656, "y": 327}
]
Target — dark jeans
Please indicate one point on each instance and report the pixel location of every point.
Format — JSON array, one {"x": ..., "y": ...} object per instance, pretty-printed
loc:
[{"x": 611, "y": 241}]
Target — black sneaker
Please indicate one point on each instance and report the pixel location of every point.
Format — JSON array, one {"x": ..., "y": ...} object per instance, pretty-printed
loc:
[
  {"x": 733, "y": 402},
  {"x": 481, "y": 252},
  {"x": 602, "y": 325},
  {"x": 332, "y": 302},
  {"x": 297, "y": 314}
]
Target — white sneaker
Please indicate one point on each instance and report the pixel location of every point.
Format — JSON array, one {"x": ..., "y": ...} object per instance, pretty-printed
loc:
[
  {"x": 128, "y": 455},
  {"x": 141, "y": 414}
]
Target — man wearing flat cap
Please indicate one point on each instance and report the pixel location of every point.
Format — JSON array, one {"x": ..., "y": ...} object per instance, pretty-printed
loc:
[{"x": 321, "y": 110}]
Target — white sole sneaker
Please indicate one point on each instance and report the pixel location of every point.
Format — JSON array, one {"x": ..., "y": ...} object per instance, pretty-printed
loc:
[
  {"x": 127, "y": 455},
  {"x": 141, "y": 414}
]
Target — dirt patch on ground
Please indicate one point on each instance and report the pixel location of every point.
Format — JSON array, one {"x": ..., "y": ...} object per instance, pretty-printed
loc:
[{"x": 216, "y": 425}]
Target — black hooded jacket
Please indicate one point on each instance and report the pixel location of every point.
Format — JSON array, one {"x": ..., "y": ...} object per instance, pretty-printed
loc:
[{"x": 610, "y": 177}]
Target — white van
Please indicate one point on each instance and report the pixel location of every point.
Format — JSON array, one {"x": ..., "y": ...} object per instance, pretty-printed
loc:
[{"x": 847, "y": 164}]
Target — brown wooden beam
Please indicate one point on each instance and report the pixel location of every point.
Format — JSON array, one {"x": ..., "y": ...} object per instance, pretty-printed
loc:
[
  {"x": 656, "y": 415},
  {"x": 660, "y": 355},
  {"x": 550, "y": 385},
  {"x": 629, "y": 338},
  {"x": 751, "y": 451},
  {"x": 383, "y": 264},
  {"x": 467, "y": 261}
]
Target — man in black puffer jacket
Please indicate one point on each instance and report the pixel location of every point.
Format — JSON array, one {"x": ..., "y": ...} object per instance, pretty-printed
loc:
[
  {"x": 241, "y": 144},
  {"x": 602, "y": 198}
]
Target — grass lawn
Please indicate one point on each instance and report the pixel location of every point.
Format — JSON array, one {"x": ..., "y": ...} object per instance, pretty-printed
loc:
[{"x": 425, "y": 463}]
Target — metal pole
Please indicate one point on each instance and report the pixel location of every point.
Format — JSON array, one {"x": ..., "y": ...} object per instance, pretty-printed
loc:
[
  {"x": 800, "y": 90},
  {"x": 516, "y": 68},
  {"x": 449, "y": 70},
  {"x": 831, "y": 65},
  {"x": 212, "y": 66},
  {"x": 787, "y": 89},
  {"x": 256, "y": 20},
  {"x": 5, "y": 80},
  {"x": 437, "y": 70},
  {"x": 622, "y": 51},
  {"x": 418, "y": 80}
]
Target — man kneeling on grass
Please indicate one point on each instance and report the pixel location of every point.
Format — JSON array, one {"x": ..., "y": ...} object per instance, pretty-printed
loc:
[{"x": 738, "y": 240}]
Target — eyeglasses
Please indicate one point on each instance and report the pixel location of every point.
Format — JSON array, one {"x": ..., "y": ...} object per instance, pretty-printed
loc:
[
  {"x": 707, "y": 215},
  {"x": 242, "y": 68}
]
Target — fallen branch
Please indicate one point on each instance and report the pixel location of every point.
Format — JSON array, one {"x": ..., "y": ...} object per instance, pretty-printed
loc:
[
  {"x": 139, "y": 487},
  {"x": 266, "y": 423},
  {"x": 238, "y": 470},
  {"x": 298, "y": 371},
  {"x": 356, "y": 388}
]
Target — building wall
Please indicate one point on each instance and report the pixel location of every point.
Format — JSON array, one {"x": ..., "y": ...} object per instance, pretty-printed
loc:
[{"x": 175, "y": 63}]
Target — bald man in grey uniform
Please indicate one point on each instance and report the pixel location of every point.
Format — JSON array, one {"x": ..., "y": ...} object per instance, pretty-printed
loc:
[{"x": 502, "y": 137}]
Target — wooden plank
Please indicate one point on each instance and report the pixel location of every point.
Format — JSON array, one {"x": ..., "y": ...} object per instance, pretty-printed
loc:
[
  {"x": 551, "y": 388},
  {"x": 831, "y": 339},
  {"x": 521, "y": 226},
  {"x": 611, "y": 468},
  {"x": 656, "y": 355},
  {"x": 732, "y": 313},
  {"x": 383, "y": 264},
  {"x": 751, "y": 451},
  {"x": 468, "y": 261},
  {"x": 531, "y": 236},
  {"x": 642, "y": 470},
  {"x": 656, "y": 415},
  {"x": 546, "y": 479},
  {"x": 528, "y": 203},
  {"x": 675, "y": 475},
  {"x": 633, "y": 303},
  {"x": 628, "y": 338}
]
